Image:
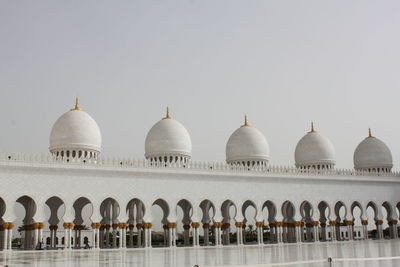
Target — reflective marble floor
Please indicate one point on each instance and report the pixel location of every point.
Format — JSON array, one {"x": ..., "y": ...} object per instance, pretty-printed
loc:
[{"x": 226, "y": 256}]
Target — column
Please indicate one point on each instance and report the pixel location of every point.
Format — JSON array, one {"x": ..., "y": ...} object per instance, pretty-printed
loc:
[
  {"x": 35, "y": 235},
  {"x": 196, "y": 234},
  {"x": 10, "y": 231},
  {"x": 95, "y": 235},
  {"x": 114, "y": 234},
  {"x": 206, "y": 229},
  {"x": 217, "y": 233},
  {"x": 131, "y": 227},
  {"x": 393, "y": 229},
  {"x": 272, "y": 232},
  {"x": 332, "y": 224},
  {"x": 68, "y": 226},
  {"x": 279, "y": 232},
  {"x": 364, "y": 224},
  {"x": 239, "y": 233},
  {"x": 315, "y": 225},
  {"x": 379, "y": 229},
  {"x": 260, "y": 233},
  {"x": 225, "y": 233},
  {"x": 140, "y": 228},
  {"x": 186, "y": 239},
  {"x": 349, "y": 225},
  {"x": 4, "y": 231},
  {"x": 147, "y": 234},
  {"x": 298, "y": 228},
  {"x": 323, "y": 231}
]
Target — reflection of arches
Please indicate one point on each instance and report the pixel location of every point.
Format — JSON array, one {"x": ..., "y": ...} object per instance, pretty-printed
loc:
[
  {"x": 306, "y": 212},
  {"x": 109, "y": 210},
  {"x": 226, "y": 209},
  {"x": 206, "y": 206},
  {"x": 54, "y": 203},
  {"x": 136, "y": 211},
  {"x": 270, "y": 234},
  {"x": 31, "y": 236},
  {"x": 288, "y": 212},
  {"x": 249, "y": 235},
  {"x": 187, "y": 209}
]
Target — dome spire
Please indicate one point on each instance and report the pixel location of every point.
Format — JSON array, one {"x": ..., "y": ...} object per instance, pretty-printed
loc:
[
  {"x": 369, "y": 133},
  {"x": 312, "y": 128},
  {"x": 246, "y": 122},
  {"x": 167, "y": 115},
  {"x": 76, "y": 104}
]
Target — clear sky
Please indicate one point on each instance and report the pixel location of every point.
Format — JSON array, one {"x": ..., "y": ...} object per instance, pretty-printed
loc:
[{"x": 284, "y": 63}]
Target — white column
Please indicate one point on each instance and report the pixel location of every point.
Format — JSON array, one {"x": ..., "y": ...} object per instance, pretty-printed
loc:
[
  {"x": 94, "y": 237},
  {"x": 66, "y": 238},
  {"x": 97, "y": 238},
  {"x": 35, "y": 236},
  {"x": 10, "y": 231},
  {"x": 5, "y": 238}
]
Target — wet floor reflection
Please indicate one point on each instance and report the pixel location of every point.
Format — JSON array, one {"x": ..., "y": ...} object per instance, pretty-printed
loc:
[{"x": 225, "y": 256}]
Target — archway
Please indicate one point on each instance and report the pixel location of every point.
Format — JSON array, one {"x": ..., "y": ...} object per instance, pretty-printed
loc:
[
  {"x": 228, "y": 210},
  {"x": 29, "y": 228},
  {"x": 340, "y": 223},
  {"x": 357, "y": 215},
  {"x": 390, "y": 224},
  {"x": 288, "y": 229},
  {"x": 109, "y": 210},
  {"x": 187, "y": 211},
  {"x": 208, "y": 211},
  {"x": 57, "y": 209},
  {"x": 136, "y": 211},
  {"x": 324, "y": 213},
  {"x": 160, "y": 206},
  {"x": 269, "y": 229},
  {"x": 306, "y": 212},
  {"x": 375, "y": 230},
  {"x": 83, "y": 209},
  {"x": 249, "y": 211}
]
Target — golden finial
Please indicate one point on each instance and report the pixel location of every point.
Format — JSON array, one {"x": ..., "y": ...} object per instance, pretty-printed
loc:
[
  {"x": 167, "y": 115},
  {"x": 246, "y": 122},
  {"x": 369, "y": 133},
  {"x": 312, "y": 128},
  {"x": 76, "y": 105}
]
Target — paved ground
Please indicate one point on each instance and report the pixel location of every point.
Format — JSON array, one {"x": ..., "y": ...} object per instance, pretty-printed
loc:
[{"x": 226, "y": 256}]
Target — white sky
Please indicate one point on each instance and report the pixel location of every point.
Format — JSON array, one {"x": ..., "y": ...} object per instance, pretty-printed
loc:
[{"x": 284, "y": 63}]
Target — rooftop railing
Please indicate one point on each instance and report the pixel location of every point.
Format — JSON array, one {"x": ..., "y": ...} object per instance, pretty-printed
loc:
[{"x": 192, "y": 165}]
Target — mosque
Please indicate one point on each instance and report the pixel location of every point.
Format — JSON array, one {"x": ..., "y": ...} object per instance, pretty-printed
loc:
[{"x": 310, "y": 202}]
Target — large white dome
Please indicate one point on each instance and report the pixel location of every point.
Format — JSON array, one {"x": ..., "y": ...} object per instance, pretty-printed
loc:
[
  {"x": 372, "y": 155},
  {"x": 75, "y": 134},
  {"x": 168, "y": 141},
  {"x": 314, "y": 151},
  {"x": 247, "y": 145}
]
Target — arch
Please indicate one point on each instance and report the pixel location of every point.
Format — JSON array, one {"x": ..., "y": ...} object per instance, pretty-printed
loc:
[
  {"x": 165, "y": 208},
  {"x": 109, "y": 211},
  {"x": 375, "y": 208},
  {"x": 249, "y": 229},
  {"x": 288, "y": 213},
  {"x": 324, "y": 214},
  {"x": 306, "y": 211},
  {"x": 391, "y": 231},
  {"x": 136, "y": 211},
  {"x": 269, "y": 230},
  {"x": 354, "y": 205},
  {"x": 187, "y": 210},
  {"x": 29, "y": 205},
  {"x": 271, "y": 207},
  {"x": 54, "y": 204},
  {"x": 161, "y": 240},
  {"x": 206, "y": 206},
  {"x": 227, "y": 217}
]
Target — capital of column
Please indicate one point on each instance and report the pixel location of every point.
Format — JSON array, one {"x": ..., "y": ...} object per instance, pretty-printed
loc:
[
  {"x": 297, "y": 223},
  {"x": 53, "y": 227},
  {"x": 196, "y": 224},
  {"x": 239, "y": 224},
  {"x": 349, "y": 222},
  {"x": 279, "y": 224},
  {"x": 206, "y": 225},
  {"x": 172, "y": 225},
  {"x": 315, "y": 223},
  {"x": 147, "y": 225},
  {"x": 364, "y": 222},
  {"x": 217, "y": 224},
  {"x": 225, "y": 226},
  {"x": 96, "y": 225},
  {"x": 392, "y": 222},
  {"x": 10, "y": 225},
  {"x": 4, "y": 226},
  {"x": 123, "y": 225},
  {"x": 259, "y": 224},
  {"x": 115, "y": 225},
  {"x": 332, "y": 223},
  {"x": 378, "y": 222},
  {"x": 186, "y": 226},
  {"x": 68, "y": 225},
  {"x": 139, "y": 226}
]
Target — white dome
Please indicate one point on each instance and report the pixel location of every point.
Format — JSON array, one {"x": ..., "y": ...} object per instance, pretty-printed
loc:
[
  {"x": 75, "y": 131},
  {"x": 247, "y": 144},
  {"x": 168, "y": 139},
  {"x": 372, "y": 154},
  {"x": 314, "y": 150}
]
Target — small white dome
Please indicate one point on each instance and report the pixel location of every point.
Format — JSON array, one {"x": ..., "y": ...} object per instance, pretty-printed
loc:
[
  {"x": 314, "y": 151},
  {"x": 247, "y": 145},
  {"x": 168, "y": 141},
  {"x": 372, "y": 155},
  {"x": 75, "y": 131}
]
